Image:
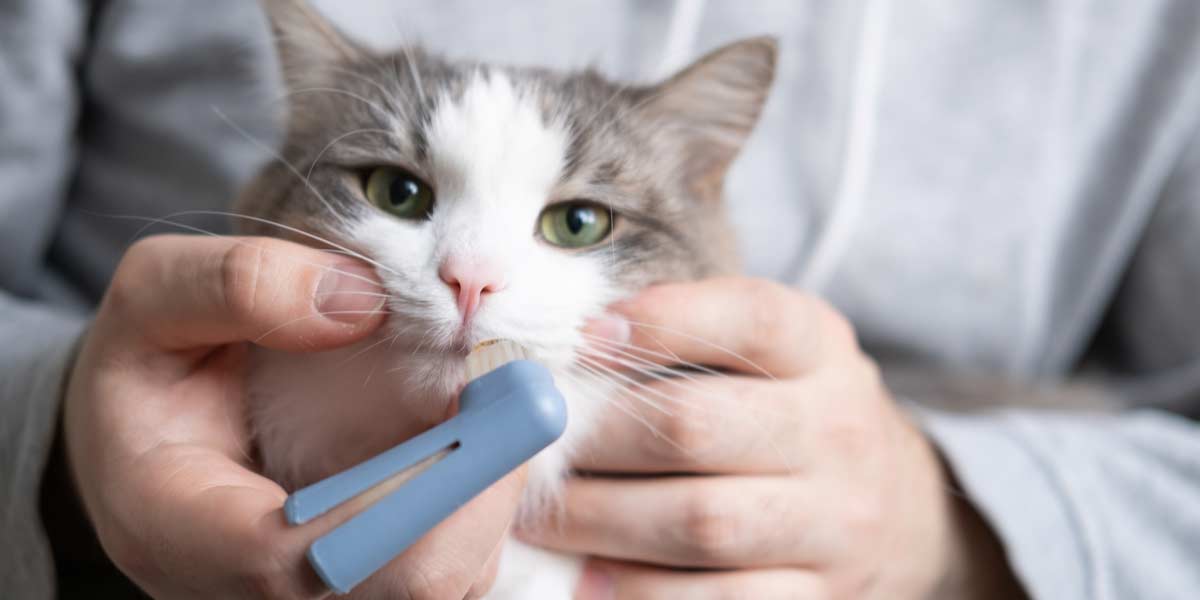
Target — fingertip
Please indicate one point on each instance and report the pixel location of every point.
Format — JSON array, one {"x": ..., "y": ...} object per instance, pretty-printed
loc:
[
  {"x": 349, "y": 292},
  {"x": 609, "y": 327},
  {"x": 596, "y": 583},
  {"x": 487, "y": 578}
]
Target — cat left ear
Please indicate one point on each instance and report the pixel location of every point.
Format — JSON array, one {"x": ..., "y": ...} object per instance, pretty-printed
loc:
[
  {"x": 306, "y": 41},
  {"x": 710, "y": 107}
]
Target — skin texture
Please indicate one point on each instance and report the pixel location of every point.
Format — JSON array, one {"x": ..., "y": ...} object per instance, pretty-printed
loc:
[
  {"x": 822, "y": 488},
  {"x": 155, "y": 436}
]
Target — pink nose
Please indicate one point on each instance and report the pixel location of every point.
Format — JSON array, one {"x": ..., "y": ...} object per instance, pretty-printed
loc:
[{"x": 469, "y": 281}]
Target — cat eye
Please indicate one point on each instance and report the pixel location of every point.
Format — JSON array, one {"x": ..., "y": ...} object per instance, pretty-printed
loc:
[
  {"x": 399, "y": 193},
  {"x": 575, "y": 224}
]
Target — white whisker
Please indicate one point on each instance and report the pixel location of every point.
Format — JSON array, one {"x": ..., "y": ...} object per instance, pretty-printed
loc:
[
  {"x": 633, "y": 414},
  {"x": 617, "y": 347},
  {"x": 340, "y": 293},
  {"x": 748, "y": 411},
  {"x": 289, "y": 166},
  {"x": 331, "y": 90},
  {"x": 339, "y": 138},
  {"x": 594, "y": 366},
  {"x": 300, "y": 232},
  {"x": 382, "y": 90},
  {"x": 306, "y": 317},
  {"x": 705, "y": 342}
]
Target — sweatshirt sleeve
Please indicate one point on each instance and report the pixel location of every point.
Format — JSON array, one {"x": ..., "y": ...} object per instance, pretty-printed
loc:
[
  {"x": 1108, "y": 507},
  {"x": 1087, "y": 508},
  {"x": 39, "y": 44},
  {"x": 34, "y": 358}
]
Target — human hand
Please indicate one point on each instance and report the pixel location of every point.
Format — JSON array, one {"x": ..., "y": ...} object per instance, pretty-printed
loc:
[
  {"x": 156, "y": 435},
  {"x": 804, "y": 478}
]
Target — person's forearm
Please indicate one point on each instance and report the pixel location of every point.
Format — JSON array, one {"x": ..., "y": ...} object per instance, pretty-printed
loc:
[{"x": 1058, "y": 491}]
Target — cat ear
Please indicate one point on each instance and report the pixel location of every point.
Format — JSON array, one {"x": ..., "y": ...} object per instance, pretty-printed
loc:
[
  {"x": 306, "y": 41},
  {"x": 710, "y": 107}
]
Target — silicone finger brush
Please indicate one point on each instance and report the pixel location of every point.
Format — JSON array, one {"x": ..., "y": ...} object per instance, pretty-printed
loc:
[{"x": 508, "y": 412}]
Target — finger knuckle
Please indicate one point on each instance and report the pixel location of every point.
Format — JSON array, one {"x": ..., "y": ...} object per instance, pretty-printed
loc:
[
  {"x": 481, "y": 587},
  {"x": 710, "y": 529},
  {"x": 772, "y": 585},
  {"x": 852, "y": 438},
  {"x": 858, "y": 581},
  {"x": 264, "y": 573},
  {"x": 688, "y": 435},
  {"x": 863, "y": 520},
  {"x": 431, "y": 584},
  {"x": 868, "y": 371},
  {"x": 268, "y": 586},
  {"x": 129, "y": 558},
  {"x": 767, "y": 319},
  {"x": 127, "y": 284},
  {"x": 240, "y": 267},
  {"x": 740, "y": 589},
  {"x": 838, "y": 328}
]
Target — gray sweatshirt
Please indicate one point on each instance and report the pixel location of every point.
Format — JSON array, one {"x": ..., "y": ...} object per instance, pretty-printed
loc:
[{"x": 1002, "y": 186}]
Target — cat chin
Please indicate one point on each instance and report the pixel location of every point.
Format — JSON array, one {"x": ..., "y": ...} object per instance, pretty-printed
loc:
[{"x": 313, "y": 415}]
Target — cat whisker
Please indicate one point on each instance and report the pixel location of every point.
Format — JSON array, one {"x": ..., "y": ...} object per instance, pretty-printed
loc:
[
  {"x": 334, "y": 141},
  {"x": 289, "y": 166},
  {"x": 644, "y": 366},
  {"x": 641, "y": 365},
  {"x": 375, "y": 367},
  {"x": 749, "y": 411},
  {"x": 626, "y": 349},
  {"x": 351, "y": 293},
  {"x": 351, "y": 358},
  {"x": 413, "y": 74},
  {"x": 696, "y": 387},
  {"x": 705, "y": 342},
  {"x": 596, "y": 367},
  {"x": 223, "y": 213},
  {"x": 580, "y": 385},
  {"x": 306, "y": 317},
  {"x": 681, "y": 380},
  {"x": 392, "y": 98},
  {"x": 185, "y": 227},
  {"x": 331, "y": 90}
]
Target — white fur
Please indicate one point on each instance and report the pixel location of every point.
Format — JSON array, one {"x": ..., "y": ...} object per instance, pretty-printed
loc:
[{"x": 494, "y": 164}]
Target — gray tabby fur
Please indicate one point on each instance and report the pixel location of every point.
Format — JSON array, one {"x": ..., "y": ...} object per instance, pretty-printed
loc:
[{"x": 656, "y": 154}]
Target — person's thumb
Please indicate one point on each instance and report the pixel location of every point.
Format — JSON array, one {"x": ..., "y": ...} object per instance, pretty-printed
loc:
[{"x": 185, "y": 292}]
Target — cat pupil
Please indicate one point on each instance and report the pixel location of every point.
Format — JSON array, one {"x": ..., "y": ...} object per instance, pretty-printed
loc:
[
  {"x": 578, "y": 218},
  {"x": 403, "y": 190}
]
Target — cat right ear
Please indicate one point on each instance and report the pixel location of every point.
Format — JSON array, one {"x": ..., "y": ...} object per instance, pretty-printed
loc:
[{"x": 307, "y": 43}]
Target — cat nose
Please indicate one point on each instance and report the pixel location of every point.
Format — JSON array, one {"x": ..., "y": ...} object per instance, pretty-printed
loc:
[{"x": 469, "y": 281}]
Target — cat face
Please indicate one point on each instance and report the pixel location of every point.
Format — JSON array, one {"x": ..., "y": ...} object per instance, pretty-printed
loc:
[{"x": 504, "y": 202}]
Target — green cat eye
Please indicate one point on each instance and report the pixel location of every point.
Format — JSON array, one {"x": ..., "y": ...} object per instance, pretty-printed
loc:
[
  {"x": 400, "y": 193},
  {"x": 575, "y": 224}
]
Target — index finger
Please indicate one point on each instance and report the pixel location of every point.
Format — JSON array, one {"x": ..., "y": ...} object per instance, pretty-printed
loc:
[
  {"x": 203, "y": 507},
  {"x": 453, "y": 557},
  {"x": 752, "y": 326}
]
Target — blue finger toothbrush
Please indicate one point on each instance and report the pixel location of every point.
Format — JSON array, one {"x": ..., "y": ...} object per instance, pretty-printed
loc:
[{"x": 508, "y": 412}]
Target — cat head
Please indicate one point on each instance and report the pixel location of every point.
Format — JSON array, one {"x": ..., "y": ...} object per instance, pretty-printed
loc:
[{"x": 499, "y": 201}]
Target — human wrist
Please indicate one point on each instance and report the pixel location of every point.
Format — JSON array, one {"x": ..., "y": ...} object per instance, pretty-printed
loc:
[{"x": 978, "y": 567}]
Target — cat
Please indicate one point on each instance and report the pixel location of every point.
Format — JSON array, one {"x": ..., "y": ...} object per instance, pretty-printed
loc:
[{"x": 492, "y": 202}]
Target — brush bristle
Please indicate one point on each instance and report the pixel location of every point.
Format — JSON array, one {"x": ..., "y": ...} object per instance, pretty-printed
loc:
[{"x": 490, "y": 355}]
